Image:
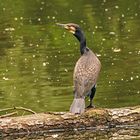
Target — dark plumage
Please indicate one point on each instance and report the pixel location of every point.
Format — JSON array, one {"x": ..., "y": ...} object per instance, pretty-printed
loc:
[{"x": 86, "y": 71}]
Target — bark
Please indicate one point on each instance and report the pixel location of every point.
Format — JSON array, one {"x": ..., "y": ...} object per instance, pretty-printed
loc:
[{"x": 63, "y": 121}]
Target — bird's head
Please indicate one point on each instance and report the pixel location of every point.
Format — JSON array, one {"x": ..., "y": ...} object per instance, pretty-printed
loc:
[
  {"x": 74, "y": 29},
  {"x": 77, "y": 32},
  {"x": 71, "y": 27}
]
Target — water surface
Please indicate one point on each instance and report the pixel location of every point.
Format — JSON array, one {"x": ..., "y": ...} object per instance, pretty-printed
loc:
[{"x": 37, "y": 58}]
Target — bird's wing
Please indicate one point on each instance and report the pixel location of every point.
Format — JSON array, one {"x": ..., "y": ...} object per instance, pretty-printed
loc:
[{"x": 86, "y": 73}]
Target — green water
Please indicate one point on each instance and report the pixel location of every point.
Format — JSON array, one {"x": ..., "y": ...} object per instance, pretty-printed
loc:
[{"x": 37, "y": 57}]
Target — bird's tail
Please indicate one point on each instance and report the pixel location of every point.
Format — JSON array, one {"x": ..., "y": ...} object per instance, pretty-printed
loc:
[{"x": 78, "y": 106}]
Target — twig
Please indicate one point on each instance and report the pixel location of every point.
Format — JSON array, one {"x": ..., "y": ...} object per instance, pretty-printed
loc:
[
  {"x": 18, "y": 108},
  {"x": 9, "y": 115},
  {"x": 25, "y": 109},
  {"x": 6, "y": 109}
]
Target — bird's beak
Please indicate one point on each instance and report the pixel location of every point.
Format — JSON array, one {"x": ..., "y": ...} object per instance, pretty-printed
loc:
[{"x": 67, "y": 27}]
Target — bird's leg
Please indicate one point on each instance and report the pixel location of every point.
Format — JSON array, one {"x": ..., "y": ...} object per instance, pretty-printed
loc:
[{"x": 93, "y": 90}]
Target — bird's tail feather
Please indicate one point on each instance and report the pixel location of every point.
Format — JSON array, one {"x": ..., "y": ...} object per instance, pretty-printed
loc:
[{"x": 78, "y": 106}]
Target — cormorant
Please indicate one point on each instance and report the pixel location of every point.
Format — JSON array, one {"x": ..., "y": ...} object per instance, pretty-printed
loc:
[{"x": 86, "y": 71}]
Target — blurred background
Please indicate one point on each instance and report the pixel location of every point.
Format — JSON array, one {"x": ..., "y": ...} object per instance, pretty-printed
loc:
[{"x": 37, "y": 58}]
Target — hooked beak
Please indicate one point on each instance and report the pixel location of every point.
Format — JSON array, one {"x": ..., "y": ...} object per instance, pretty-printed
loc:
[{"x": 67, "y": 27}]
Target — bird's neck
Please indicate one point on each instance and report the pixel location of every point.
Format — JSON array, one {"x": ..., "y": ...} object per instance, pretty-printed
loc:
[
  {"x": 83, "y": 47},
  {"x": 80, "y": 36}
]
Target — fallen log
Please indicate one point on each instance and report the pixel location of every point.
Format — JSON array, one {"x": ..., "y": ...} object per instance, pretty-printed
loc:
[{"x": 63, "y": 121}]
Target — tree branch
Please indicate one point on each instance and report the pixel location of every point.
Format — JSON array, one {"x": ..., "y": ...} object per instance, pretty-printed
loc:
[{"x": 64, "y": 121}]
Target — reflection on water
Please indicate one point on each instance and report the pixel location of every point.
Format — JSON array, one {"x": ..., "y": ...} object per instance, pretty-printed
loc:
[{"x": 37, "y": 58}]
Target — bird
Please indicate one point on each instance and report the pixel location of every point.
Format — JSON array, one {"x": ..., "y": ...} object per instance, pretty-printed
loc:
[{"x": 86, "y": 71}]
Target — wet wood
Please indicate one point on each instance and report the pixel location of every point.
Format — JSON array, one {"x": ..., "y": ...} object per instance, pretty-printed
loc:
[{"x": 63, "y": 121}]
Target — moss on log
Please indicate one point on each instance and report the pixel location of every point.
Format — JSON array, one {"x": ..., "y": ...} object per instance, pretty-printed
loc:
[{"x": 64, "y": 121}]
